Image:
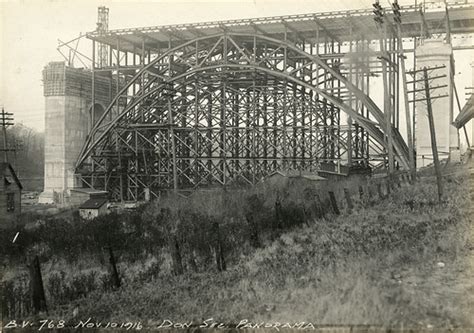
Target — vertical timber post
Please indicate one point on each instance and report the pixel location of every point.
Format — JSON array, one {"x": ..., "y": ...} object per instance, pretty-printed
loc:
[
  {"x": 434, "y": 146},
  {"x": 333, "y": 201},
  {"x": 113, "y": 267},
  {"x": 384, "y": 59},
  {"x": 347, "y": 195},
  {"x": 411, "y": 151},
  {"x": 92, "y": 115},
  {"x": 351, "y": 100},
  {"x": 387, "y": 102},
  {"x": 173, "y": 144},
  {"x": 36, "y": 287}
]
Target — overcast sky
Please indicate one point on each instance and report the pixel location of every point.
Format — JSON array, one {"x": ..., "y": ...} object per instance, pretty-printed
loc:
[{"x": 30, "y": 29}]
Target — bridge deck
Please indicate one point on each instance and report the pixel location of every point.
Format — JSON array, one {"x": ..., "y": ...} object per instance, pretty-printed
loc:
[{"x": 341, "y": 26}]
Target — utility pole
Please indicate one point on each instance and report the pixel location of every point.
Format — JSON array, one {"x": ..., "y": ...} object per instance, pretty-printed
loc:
[
  {"x": 17, "y": 146},
  {"x": 426, "y": 89},
  {"x": 384, "y": 59},
  {"x": 411, "y": 150},
  {"x": 6, "y": 120},
  {"x": 434, "y": 147}
]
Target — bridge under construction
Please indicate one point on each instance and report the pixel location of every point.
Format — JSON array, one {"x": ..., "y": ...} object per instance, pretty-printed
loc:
[{"x": 226, "y": 103}]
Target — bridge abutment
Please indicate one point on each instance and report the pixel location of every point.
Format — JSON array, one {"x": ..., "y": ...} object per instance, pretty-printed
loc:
[{"x": 68, "y": 119}]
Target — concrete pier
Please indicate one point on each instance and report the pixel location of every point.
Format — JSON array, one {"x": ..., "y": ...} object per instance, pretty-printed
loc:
[
  {"x": 432, "y": 53},
  {"x": 68, "y": 119},
  {"x": 472, "y": 121}
]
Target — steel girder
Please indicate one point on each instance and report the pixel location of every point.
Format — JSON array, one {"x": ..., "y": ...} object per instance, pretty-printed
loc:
[{"x": 222, "y": 108}]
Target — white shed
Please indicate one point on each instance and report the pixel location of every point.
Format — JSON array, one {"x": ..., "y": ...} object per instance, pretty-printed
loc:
[{"x": 93, "y": 207}]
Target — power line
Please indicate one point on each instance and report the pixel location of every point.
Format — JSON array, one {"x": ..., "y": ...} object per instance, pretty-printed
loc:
[{"x": 6, "y": 120}]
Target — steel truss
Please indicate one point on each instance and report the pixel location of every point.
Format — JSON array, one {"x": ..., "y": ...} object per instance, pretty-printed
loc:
[{"x": 232, "y": 108}]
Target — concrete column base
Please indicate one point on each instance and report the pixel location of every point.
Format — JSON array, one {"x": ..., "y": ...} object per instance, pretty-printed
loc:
[
  {"x": 46, "y": 197},
  {"x": 54, "y": 197},
  {"x": 455, "y": 155}
]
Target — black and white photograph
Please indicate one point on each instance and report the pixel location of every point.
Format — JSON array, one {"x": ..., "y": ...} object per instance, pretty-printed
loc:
[{"x": 229, "y": 166}]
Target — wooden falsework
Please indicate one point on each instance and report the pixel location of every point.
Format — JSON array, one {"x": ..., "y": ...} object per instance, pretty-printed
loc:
[
  {"x": 235, "y": 117},
  {"x": 434, "y": 146}
]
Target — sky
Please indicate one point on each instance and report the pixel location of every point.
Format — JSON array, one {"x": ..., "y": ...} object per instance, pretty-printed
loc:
[{"x": 29, "y": 33}]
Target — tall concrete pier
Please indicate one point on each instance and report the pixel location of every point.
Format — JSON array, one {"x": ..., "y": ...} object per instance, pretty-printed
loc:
[
  {"x": 68, "y": 119},
  {"x": 434, "y": 53},
  {"x": 472, "y": 121}
]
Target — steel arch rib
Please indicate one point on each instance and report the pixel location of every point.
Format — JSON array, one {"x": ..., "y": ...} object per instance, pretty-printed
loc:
[{"x": 370, "y": 126}]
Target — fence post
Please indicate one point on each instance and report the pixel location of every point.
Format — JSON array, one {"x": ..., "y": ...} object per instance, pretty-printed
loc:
[
  {"x": 319, "y": 206},
  {"x": 347, "y": 195},
  {"x": 176, "y": 256},
  {"x": 192, "y": 261},
  {"x": 254, "y": 236},
  {"x": 220, "y": 260},
  {"x": 361, "y": 193},
  {"x": 36, "y": 287},
  {"x": 113, "y": 266},
  {"x": 332, "y": 198},
  {"x": 278, "y": 212},
  {"x": 5, "y": 305},
  {"x": 379, "y": 190}
]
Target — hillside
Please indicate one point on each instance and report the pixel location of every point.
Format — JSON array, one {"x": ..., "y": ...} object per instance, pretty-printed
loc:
[{"x": 401, "y": 261}]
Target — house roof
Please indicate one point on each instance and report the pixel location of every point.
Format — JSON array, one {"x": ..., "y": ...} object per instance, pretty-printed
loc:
[
  {"x": 6, "y": 177},
  {"x": 94, "y": 203}
]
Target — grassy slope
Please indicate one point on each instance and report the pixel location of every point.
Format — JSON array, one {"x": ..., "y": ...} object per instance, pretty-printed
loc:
[{"x": 374, "y": 266}]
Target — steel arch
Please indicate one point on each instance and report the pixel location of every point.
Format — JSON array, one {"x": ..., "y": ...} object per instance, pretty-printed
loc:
[
  {"x": 230, "y": 53},
  {"x": 376, "y": 127}
]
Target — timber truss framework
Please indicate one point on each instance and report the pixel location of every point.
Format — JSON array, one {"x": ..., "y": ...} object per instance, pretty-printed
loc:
[{"x": 232, "y": 107}]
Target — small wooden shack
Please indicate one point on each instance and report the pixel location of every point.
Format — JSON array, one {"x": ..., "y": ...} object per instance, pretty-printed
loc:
[
  {"x": 10, "y": 196},
  {"x": 93, "y": 208}
]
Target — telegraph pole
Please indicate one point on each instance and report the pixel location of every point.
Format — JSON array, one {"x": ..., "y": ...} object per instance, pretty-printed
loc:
[
  {"x": 6, "y": 119},
  {"x": 384, "y": 59},
  {"x": 426, "y": 89},
  {"x": 434, "y": 146},
  {"x": 411, "y": 149}
]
